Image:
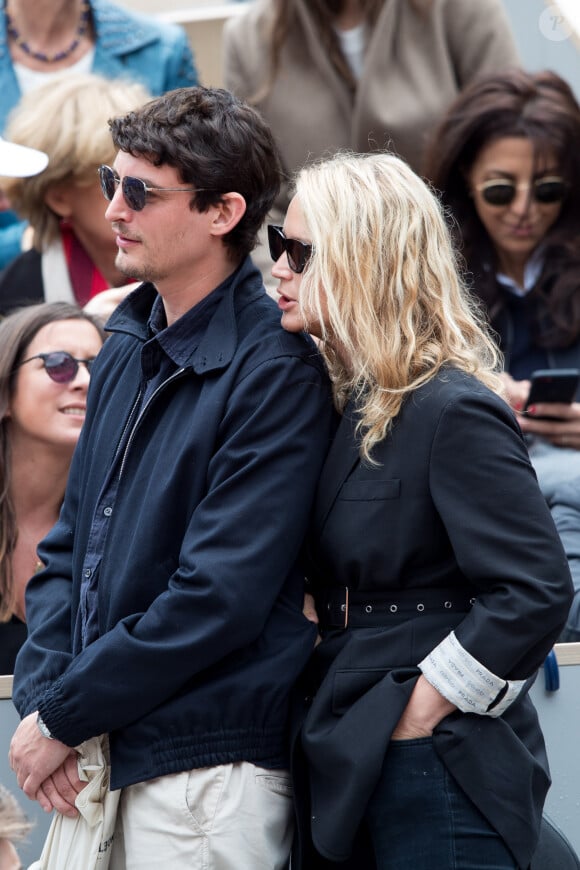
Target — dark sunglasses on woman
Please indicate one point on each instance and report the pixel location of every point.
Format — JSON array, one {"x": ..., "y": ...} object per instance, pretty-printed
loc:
[
  {"x": 298, "y": 253},
  {"x": 59, "y": 365},
  {"x": 500, "y": 191},
  {"x": 135, "y": 191}
]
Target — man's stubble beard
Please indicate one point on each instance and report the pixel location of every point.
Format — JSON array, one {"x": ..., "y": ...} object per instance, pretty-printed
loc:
[{"x": 136, "y": 272}]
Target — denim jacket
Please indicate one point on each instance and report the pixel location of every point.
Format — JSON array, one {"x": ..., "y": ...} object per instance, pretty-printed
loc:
[{"x": 140, "y": 47}]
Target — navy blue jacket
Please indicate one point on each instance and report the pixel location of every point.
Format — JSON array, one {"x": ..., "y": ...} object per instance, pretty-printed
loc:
[
  {"x": 201, "y": 632},
  {"x": 556, "y": 357}
]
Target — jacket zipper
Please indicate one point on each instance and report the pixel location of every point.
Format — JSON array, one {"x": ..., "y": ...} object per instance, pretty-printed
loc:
[{"x": 153, "y": 395}]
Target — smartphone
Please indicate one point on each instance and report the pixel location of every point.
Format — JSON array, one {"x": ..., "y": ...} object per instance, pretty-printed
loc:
[{"x": 553, "y": 385}]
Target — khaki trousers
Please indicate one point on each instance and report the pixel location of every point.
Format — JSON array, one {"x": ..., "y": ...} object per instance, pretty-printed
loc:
[{"x": 230, "y": 817}]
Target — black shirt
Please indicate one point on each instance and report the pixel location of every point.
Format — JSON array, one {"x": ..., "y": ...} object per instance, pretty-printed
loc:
[{"x": 12, "y": 636}]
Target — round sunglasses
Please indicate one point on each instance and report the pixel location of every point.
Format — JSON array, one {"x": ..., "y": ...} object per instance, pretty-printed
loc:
[
  {"x": 298, "y": 253},
  {"x": 59, "y": 365},
  {"x": 135, "y": 191},
  {"x": 547, "y": 191}
]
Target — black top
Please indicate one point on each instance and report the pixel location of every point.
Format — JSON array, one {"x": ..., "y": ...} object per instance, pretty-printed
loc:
[
  {"x": 12, "y": 636},
  {"x": 21, "y": 282}
]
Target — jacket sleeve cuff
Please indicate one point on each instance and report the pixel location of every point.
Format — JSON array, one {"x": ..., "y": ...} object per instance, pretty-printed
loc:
[{"x": 464, "y": 681}]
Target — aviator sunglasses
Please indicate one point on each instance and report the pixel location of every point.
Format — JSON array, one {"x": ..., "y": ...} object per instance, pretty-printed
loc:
[
  {"x": 135, "y": 190},
  {"x": 59, "y": 365},
  {"x": 547, "y": 191},
  {"x": 298, "y": 253}
]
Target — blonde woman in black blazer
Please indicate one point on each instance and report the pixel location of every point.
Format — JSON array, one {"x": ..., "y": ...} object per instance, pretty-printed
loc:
[{"x": 439, "y": 579}]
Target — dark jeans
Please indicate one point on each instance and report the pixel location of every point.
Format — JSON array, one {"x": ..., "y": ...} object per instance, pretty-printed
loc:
[{"x": 419, "y": 818}]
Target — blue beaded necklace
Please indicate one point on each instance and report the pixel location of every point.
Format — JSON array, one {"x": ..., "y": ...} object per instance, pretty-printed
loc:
[{"x": 60, "y": 55}]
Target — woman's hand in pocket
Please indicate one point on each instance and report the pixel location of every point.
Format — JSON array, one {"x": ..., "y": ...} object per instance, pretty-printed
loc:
[{"x": 425, "y": 709}]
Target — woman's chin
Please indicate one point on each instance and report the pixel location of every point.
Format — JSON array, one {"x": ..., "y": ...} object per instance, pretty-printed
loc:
[{"x": 291, "y": 321}]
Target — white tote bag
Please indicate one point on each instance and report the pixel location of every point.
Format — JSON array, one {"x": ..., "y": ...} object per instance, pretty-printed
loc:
[{"x": 85, "y": 841}]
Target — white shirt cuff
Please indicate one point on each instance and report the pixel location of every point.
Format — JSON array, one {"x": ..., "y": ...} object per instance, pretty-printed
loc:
[{"x": 464, "y": 681}]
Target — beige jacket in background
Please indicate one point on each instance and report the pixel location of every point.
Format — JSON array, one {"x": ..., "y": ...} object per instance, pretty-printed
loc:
[{"x": 415, "y": 65}]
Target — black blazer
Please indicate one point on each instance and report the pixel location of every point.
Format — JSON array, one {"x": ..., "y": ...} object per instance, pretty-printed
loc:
[{"x": 452, "y": 503}]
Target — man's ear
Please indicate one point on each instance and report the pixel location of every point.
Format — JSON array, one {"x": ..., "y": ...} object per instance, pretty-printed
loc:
[
  {"x": 57, "y": 199},
  {"x": 227, "y": 213}
]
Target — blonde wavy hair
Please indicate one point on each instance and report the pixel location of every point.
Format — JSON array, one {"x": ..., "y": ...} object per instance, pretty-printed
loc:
[
  {"x": 385, "y": 286},
  {"x": 68, "y": 119}
]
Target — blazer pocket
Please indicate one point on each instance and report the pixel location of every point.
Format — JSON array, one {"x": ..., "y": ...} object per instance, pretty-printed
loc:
[
  {"x": 351, "y": 684},
  {"x": 370, "y": 490}
]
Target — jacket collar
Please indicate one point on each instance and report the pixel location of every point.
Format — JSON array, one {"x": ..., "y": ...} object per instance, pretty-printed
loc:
[
  {"x": 120, "y": 32},
  {"x": 380, "y": 51},
  {"x": 218, "y": 345},
  {"x": 10, "y": 88},
  {"x": 321, "y": 58}
]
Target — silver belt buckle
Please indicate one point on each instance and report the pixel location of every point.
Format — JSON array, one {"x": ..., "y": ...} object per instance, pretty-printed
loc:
[{"x": 344, "y": 607}]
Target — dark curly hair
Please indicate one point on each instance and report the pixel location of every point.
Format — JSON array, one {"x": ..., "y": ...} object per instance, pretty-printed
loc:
[
  {"x": 215, "y": 142},
  {"x": 542, "y": 108}
]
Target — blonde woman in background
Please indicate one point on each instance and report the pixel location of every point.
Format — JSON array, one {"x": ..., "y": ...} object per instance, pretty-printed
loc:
[
  {"x": 74, "y": 250},
  {"x": 360, "y": 74},
  {"x": 40, "y": 38},
  {"x": 438, "y": 596}
]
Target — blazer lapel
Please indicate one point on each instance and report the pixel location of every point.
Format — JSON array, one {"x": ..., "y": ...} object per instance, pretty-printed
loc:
[
  {"x": 342, "y": 457},
  {"x": 321, "y": 59}
]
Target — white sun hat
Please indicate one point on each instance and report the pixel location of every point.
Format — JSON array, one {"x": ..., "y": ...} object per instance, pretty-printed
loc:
[{"x": 19, "y": 161}]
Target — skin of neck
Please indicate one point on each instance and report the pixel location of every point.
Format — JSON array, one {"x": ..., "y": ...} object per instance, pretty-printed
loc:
[
  {"x": 39, "y": 478},
  {"x": 45, "y": 19},
  {"x": 351, "y": 15},
  {"x": 37, "y": 487},
  {"x": 513, "y": 266},
  {"x": 48, "y": 26},
  {"x": 178, "y": 299}
]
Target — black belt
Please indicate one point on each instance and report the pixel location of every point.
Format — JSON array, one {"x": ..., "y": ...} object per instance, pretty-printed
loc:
[{"x": 342, "y": 608}]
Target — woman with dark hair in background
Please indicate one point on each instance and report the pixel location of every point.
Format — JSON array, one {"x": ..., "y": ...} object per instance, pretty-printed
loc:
[
  {"x": 45, "y": 356},
  {"x": 359, "y": 74},
  {"x": 506, "y": 159}
]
